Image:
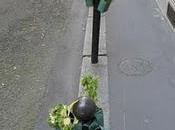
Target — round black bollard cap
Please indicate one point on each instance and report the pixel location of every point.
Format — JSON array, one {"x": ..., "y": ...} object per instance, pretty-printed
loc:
[{"x": 84, "y": 109}]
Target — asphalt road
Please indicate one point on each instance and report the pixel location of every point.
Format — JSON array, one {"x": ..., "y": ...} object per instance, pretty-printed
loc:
[
  {"x": 40, "y": 59},
  {"x": 141, "y": 51}
]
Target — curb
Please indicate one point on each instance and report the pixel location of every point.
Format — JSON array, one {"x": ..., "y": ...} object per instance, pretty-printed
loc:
[{"x": 100, "y": 69}]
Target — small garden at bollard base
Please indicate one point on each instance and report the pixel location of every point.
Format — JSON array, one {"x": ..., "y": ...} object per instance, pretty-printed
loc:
[{"x": 83, "y": 113}]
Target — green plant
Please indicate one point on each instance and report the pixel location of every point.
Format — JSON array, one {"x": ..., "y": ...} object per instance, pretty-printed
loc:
[
  {"x": 90, "y": 85},
  {"x": 61, "y": 117}
]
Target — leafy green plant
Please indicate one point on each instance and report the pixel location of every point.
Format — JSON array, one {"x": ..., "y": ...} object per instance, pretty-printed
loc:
[
  {"x": 61, "y": 117},
  {"x": 90, "y": 85}
]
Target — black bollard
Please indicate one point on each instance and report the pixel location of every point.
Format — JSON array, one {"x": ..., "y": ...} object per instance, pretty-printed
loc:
[{"x": 95, "y": 33}]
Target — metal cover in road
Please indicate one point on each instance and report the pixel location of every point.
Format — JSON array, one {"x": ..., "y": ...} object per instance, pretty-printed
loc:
[{"x": 135, "y": 67}]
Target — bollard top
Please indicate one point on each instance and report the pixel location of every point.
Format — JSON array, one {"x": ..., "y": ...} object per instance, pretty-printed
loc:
[{"x": 84, "y": 109}]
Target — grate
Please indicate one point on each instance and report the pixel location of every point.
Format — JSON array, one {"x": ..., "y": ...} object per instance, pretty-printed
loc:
[{"x": 171, "y": 14}]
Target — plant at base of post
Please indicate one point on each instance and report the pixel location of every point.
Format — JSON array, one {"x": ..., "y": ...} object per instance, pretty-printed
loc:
[{"x": 90, "y": 85}]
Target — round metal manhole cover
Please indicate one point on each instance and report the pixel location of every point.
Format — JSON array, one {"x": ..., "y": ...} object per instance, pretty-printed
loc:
[{"x": 135, "y": 67}]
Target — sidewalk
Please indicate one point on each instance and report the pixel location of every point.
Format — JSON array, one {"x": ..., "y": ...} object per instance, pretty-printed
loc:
[
  {"x": 101, "y": 68},
  {"x": 141, "y": 62}
]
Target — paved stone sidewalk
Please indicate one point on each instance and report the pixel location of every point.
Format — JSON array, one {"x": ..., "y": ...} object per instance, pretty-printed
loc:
[
  {"x": 141, "y": 62},
  {"x": 101, "y": 68}
]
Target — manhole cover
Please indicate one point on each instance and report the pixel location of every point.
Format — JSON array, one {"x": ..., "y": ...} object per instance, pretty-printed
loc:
[{"x": 135, "y": 67}]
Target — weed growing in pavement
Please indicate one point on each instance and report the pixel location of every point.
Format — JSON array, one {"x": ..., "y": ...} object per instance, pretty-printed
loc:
[{"x": 90, "y": 85}]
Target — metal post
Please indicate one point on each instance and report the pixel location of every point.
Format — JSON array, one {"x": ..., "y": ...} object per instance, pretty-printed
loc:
[{"x": 95, "y": 33}]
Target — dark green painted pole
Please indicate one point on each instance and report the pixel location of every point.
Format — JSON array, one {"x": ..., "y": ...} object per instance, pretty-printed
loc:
[{"x": 95, "y": 33}]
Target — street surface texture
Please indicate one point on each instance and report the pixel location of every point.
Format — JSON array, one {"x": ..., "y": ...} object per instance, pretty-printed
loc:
[
  {"x": 40, "y": 58},
  {"x": 141, "y": 51}
]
